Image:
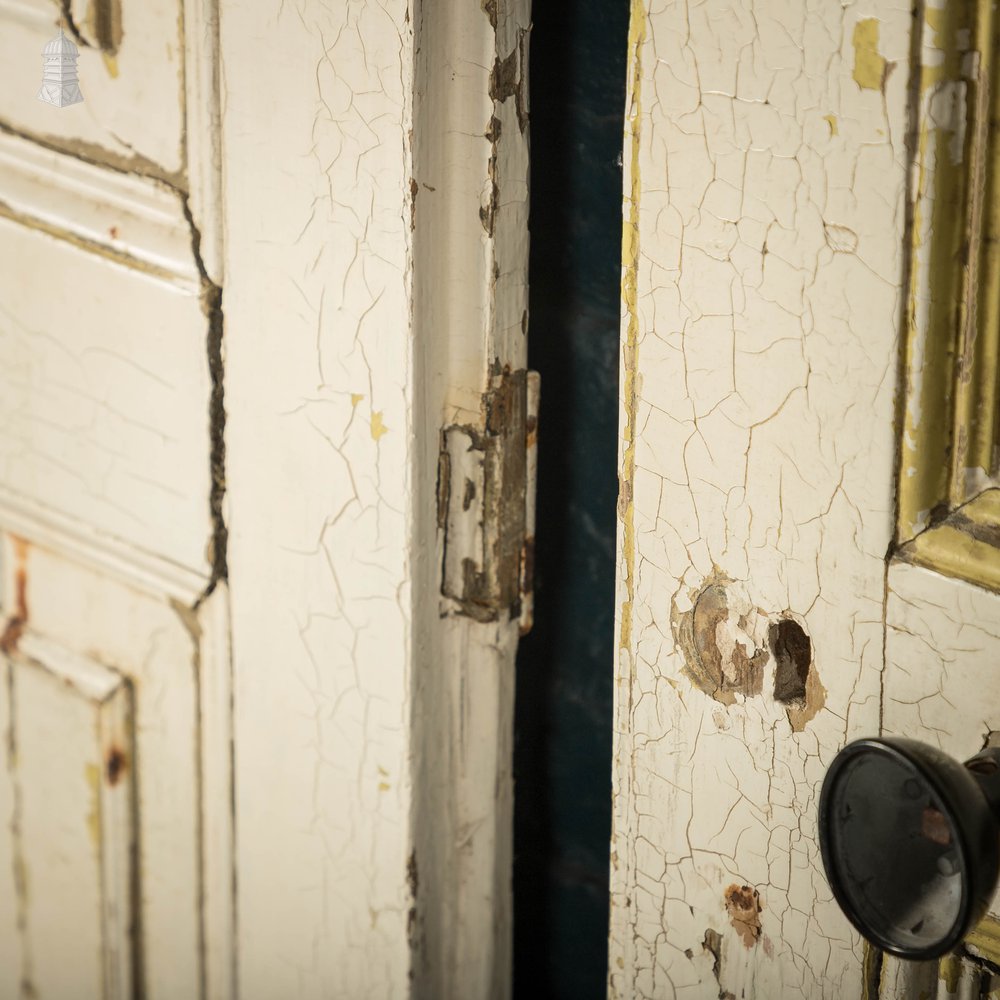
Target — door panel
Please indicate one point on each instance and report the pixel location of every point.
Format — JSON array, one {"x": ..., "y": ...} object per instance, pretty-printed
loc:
[
  {"x": 809, "y": 551},
  {"x": 116, "y": 861},
  {"x": 104, "y": 378},
  {"x": 131, "y": 69},
  {"x": 765, "y": 209},
  {"x": 149, "y": 651},
  {"x": 70, "y": 752}
]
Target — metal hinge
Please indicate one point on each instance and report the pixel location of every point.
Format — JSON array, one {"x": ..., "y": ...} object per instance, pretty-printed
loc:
[{"x": 486, "y": 502}]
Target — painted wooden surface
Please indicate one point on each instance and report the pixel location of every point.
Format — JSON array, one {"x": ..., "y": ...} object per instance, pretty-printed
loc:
[
  {"x": 116, "y": 796},
  {"x": 942, "y": 673},
  {"x": 374, "y": 271},
  {"x": 765, "y": 162},
  {"x": 283, "y": 359},
  {"x": 319, "y": 473},
  {"x": 131, "y": 77},
  {"x": 70, "y": 744},
  {"x": 104, "y": 373},
  {"x": 145, "y": 652}
]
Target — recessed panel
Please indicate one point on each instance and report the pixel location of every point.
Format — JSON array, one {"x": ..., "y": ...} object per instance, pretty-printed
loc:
[
  {"x": 70, "y": 733},
  {"x": 104, "y": 395},
  {"x": 130, "y": 71}
]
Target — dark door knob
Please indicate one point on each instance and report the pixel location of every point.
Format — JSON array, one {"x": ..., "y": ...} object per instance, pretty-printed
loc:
[{"x": 910, "y": 840}]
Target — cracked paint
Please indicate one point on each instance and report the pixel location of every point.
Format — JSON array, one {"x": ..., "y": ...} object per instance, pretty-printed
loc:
[
  {"x": 321, "y": 545},
  {"x": 763, "y": 289}
]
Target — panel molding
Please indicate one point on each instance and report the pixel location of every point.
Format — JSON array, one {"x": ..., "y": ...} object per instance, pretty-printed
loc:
[
  {"x": 203, "y": 127},
  {"x": 949, "y": 419},
  {"x": 966, "y": 545},
  {"x": 132, "y": 220},
  {"x": 33, "y": 13},
  {"x": 145, "y": 571},
  {"x": 66, "y": 712}
]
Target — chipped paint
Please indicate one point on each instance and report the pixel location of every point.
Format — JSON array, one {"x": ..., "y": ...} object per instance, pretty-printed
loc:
[
  {"x": 483, "y": 502},
  {"x": 377, "y": 427},
  {"x": 763, "y": 292},
  {"x": 869, "y": 65},
  {"x": 92, "y": 774},
  {"x": 744, "y": 906},
  {"x": 723, "y": 656},
  {"x": 630, "y": 348}
]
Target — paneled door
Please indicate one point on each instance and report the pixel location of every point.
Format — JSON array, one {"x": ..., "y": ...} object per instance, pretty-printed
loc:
[
  {"x": 116, "y": 867},
  {"x": 809, "y": 522},
  {"x": 264, "y": 497}
]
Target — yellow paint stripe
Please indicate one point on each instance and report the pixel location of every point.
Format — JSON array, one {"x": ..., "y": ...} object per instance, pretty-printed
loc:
[{"x": 630, "y": 292}]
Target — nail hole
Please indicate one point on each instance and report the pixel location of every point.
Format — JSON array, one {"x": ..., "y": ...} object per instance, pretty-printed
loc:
[{"x": 792, "y": 651}]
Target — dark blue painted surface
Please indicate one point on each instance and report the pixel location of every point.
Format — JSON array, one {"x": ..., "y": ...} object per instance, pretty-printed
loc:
[{"x": 565, "y": 667}]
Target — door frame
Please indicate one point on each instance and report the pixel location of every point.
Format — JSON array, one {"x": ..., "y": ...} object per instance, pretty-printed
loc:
[{"x": 374, "y": 218}]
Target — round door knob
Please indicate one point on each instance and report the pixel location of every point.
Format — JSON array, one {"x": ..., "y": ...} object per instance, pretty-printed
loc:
[{"x": 910, "y": 839}]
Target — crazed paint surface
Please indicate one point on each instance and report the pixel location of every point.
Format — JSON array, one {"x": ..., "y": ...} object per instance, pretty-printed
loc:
[
  {"x": 318, "y": 392},
  {"x": 762, "y": 295}
]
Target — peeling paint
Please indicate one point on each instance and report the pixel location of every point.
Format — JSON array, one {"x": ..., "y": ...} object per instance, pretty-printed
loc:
[
  {"x": 760, "y": 325},
  {"x": 508, "y": 78},
  {"x": 377, "y": 427},
  {"x": 744, "y": 907},
  {"x": 482, "y": 501},
  {"x": 869, "y": 65},
  {"x": 630, "y": 348},
  {"x": 712, "y": 943},
  {"x": 723, "y": 658},
  {"x": 840, "y": 239}
]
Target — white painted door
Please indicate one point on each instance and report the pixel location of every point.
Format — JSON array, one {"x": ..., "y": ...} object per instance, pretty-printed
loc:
[
  {"x": 808, "y": 536},
  {"x": 264, "y": 428},
  {"x": 115, "y": 826}
]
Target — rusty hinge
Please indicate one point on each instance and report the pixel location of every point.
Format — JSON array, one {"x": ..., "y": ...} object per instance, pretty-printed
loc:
[{"x": 486, "y": 502}]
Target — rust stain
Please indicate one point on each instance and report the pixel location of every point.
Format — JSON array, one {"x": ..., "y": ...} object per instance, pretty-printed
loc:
[
  {"x": 115, "y": 765},
  {"x": 17, "y": 621},
  {"x": 743, "y": 906},
  {"x": 113, "y": 232}
]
